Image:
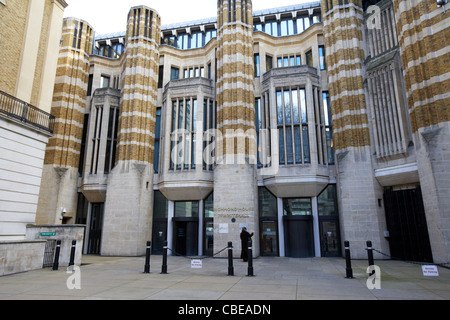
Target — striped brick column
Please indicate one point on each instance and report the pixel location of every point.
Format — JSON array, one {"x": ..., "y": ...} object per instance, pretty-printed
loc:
[
  {"x": 128, "y": 212},
  {"x": 345, "y": 57},
  {"x": 362, "y": 219},
  {"x": 140, "y": 86},
  {"x": 424, "y": 41},
  {"x": 235, "y": 186},
  {"x": 235, "y": 79},
  {"x": 69, "y": 100}
]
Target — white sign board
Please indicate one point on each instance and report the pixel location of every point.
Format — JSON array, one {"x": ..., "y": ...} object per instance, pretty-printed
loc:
[
  {"x": 430, "y": 271},
  {"x": 223, "y": 228},
  {"x": 196, "y": 264}
]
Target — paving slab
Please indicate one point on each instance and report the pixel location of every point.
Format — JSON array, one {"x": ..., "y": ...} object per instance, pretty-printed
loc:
[{"x": 123, "y": 278}]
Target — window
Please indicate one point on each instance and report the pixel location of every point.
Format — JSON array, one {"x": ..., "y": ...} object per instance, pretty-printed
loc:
[
  {"x": 196, "y": 40},
  {"x": 287, "y": 27},
  {"x": 292, "y": 126},
  {"x": 303, "y": 23},
  {"x": 96, "y": 138},
  {"x": 289, "y": 61},
  {"x": 174, "y": 73},
  {"x": 111, "y": 139},
  {"x": 210, "y": 34},
  {"x": 322, "y": 60},
  {"x": 104, "y": 82},
  {"x": 148, "y": 23},
  {"x": 161, "y": 77},
  {"x": 157, "y": 140},
  {"x": 78, "y": 32},
  {"x": 262, "y": 115},
  {"x": 83, "y": 144},
  {"x": 183, "y": 41},
  {"x": 271, "y": 28},
  {"x": 257, "y": 71},
  {"x": 297, "y": 207},
  {"x": 267, "y": 203},
  {"x": 187, "y": 209},
  {"x": 328, "y": 127},
  {"x": 269, "y": 63},
  {"x": 209, "y": 124},
  {"x": 89, "y": 88},
  {"x": 309, "y": 58},
  {"x": 183, "y": 140}
]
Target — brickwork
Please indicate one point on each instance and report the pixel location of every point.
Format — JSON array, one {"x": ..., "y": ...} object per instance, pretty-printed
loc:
[
  {"x": 12, "y": 27},
  {"x": 423, "y": 31},
  {"x": 140, "y": 86},
  {"x": 345, "y": 57},
  {"x": 69, "y": 97},
  {"x": 235, "y": 78}
]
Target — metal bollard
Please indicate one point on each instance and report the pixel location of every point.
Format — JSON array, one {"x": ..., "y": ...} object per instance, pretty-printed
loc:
[
  {"x": 72, "y": 253},
  {"x": 370, "y": 255},
  {"x": 250, "y": 259},
  {"x": 230, "y": 259},
  {"x": 56, "y": 261},
  {"x": 348, "y": 261},
  {"x": 147, "y": 257},
  {"x": 164, "y": 264}
]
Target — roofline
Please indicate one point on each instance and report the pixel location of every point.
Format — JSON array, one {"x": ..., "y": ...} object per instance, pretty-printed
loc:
[{"x": 213, "y": 20}]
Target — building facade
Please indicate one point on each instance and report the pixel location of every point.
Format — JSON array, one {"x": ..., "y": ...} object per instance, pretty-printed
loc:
[
  {"x": 309, "y": 124},
  {"x": 30, "y": 33}
]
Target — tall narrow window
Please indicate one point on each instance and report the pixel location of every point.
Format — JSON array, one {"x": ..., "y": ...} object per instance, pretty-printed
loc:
[
  {"x": 309, "y": 58},
  {"x": 269, "y": 63},
  {"x": 184, "y": 127},
  {"x": 322, "y": 60},
  {"x": 174, "y": 73},
  {"x": 157, "y": 140},
  {"x": 209, "y": 123},
  {"x": 111, "y": 139},
  {"x": 75, "y": 35},
  {"x": 80, "y": 33},
  {"x": 257, "y": 64},
  {"x": 96, "y": 138},
  {"x": 292, "y": 126},
  {"x": 328, "y": 127}
]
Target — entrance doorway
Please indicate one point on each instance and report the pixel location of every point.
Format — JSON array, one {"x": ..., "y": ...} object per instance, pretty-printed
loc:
[
  {"x": 299, "y": 236},
  {"x": 95, "y": 228},
  {"x": 185, "y": 236},
  {"x": 407, "y": 225}
]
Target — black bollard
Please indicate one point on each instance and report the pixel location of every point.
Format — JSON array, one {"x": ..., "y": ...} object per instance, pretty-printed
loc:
[
  {"x": 164, "y": 264},
  {"x": 348, "y": 261},
  {"x": 370, "y": 255},
  {"x": 250, "y": 259},
  {"x": 147, "y": 257},
  {"x": 72, "y": 253},
  {"x": 230, "y": 259},
  {"x": 56, "y": 261}
]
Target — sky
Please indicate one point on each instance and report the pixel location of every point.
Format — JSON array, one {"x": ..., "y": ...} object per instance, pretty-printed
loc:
[{"x": 108, "y": 16}]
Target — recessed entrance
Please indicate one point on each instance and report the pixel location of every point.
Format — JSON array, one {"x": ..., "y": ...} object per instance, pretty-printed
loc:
[
  {"x": 407, "y": 225},
  {"x": 185, "y": 236}
]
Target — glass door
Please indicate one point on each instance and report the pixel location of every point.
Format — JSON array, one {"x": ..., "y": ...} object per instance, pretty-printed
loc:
[
  {"x": 269, "y": 238},
  {"x": 95, "y": 228}
]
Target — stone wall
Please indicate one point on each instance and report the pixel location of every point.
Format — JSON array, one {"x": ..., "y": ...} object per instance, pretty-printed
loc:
[{"x": 20, "y": 256}]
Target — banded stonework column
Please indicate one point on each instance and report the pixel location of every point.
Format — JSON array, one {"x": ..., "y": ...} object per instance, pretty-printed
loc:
[
  {"x": 129, "y": 199},
  {"x": 60, "y": 175},
  {"x": 235, "y": 187},
  {"x": 361, "y": 218},
  {"x": 423, "y": 33}
]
